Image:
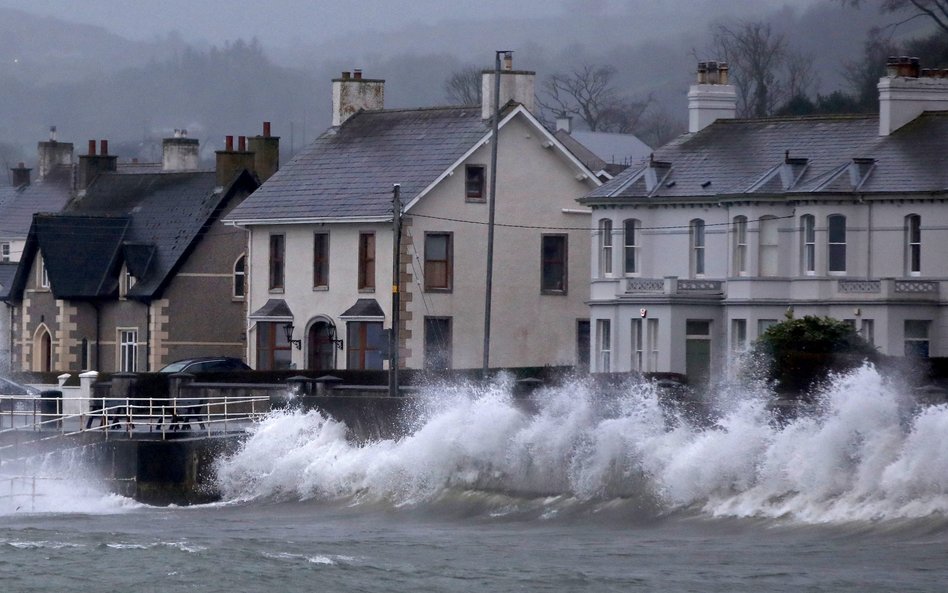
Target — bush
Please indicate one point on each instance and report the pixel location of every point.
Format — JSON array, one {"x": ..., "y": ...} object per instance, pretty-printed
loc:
[{"x": 798, "y": 353}]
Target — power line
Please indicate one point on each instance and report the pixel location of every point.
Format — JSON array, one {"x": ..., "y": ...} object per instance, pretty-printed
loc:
[{"x": 591, "y": 229}]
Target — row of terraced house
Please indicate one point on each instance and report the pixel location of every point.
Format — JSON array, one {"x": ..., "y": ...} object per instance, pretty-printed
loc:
[{"x": 675, "y": 264}]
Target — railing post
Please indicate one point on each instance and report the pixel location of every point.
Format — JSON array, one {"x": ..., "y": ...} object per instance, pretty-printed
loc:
[{"x": 86, "y": 380}]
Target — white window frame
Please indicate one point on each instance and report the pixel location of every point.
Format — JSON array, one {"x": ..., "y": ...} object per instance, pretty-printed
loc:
[
  {"x": 605, "y": 248},
  {"x": 239, "y": 278},
  {"x": 651, "y": 344},
  {"x": 839, "y": 245},
  {"x": 5, "y": 251},
  {"x": 867, "y": 329},
  {"x": 768, "y": 252},
  {"x": 738, "y": 335},
  {"x": 127, "y": 341},
  {"x": 740, "y": 245},
  {"x": 698, "y": 243},
  {"x": 604, "y": 345},
  {"x": 913, "y": 245},
  {"x": 926, "y": 339},
  {"x": 630, "y": 243},
  {"x": 808, "y": 244},
  {"x": 638, "y": 344}
]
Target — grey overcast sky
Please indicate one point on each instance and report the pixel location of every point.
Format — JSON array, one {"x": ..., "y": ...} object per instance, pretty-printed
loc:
[{"x": 281, "y": 22}]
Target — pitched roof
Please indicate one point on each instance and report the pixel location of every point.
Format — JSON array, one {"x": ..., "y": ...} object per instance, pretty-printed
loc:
[
  {"x": 7, "y": 271},
  {"x": 18, "y": 204},
  {"x": 349, "y": 171},
  {"x": 149, "y": 222},
  {"x": 793, "y": 156}
]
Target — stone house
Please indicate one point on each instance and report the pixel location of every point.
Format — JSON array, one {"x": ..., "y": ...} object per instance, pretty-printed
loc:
[
  {"x": 321, "y": 239},
  {"x": 738, "y": 222},
  {"x": 137, "y": 271}
]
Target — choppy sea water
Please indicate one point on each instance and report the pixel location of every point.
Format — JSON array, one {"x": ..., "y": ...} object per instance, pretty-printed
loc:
[{"x": 584, "y": 494}]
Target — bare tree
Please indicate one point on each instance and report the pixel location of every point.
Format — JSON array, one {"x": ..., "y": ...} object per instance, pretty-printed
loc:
[
  {"x": 589, "y": 93},
  {"x": 755, "y": 55},
  {"x": 463, "y": 87},
  {"x": 934, "y": 10}
]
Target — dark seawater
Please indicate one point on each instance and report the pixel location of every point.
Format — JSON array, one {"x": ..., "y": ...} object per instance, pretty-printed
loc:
[{"x": 584, "y": 494}]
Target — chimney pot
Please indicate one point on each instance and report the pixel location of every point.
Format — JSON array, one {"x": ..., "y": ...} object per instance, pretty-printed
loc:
[
  {"x": 241, "y": 143},
  {"x": 229, "y": 143},
  {"x": 52, "y": 133},
  {"x": 104, "y": 147},
  {"x": 345, "y": 75},
  {"x": 91, "y": 147},
  {"x": 266, "y": 129},
  {"x": 357, "y": 74}
]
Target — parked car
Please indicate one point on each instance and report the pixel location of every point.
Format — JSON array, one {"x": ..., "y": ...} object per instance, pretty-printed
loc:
[{"x": 206, "y": 364}]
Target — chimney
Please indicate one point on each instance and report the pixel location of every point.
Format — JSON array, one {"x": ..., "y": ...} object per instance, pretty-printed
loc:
[
  {"x": 20, "y": 175},
  {"x": 231, "y": 162},
  {"x": 565, "y": 124},
  {"x": 266, "y": 153},
  {"x": 53, "y": 154},
  {"x": 180, "y": 153},
  {"x": 91, "y": 165},
  {"x": 352, "y": 93},
  {"x": 712, "y": 97},
  {"x": 907, "y": 91},
  {"x": 515, "y": 85}
]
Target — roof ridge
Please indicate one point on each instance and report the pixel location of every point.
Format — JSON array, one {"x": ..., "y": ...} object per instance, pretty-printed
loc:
[{"x": 801, "y": 118}]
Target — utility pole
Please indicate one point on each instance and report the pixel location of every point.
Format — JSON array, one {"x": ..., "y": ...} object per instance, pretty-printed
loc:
[
  {"x": 491, "y": 207},
  {"x": 396, "y": 289}
]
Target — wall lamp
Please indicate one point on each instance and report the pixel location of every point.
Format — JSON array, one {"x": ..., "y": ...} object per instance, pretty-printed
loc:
[{"x": 288, "y": 330}]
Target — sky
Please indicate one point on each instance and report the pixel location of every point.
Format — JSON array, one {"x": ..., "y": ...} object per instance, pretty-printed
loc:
[{"x": 283, "y": 22}]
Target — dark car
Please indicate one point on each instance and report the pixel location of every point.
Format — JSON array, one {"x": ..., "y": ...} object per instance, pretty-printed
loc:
[{"x": 206, "y": 364}]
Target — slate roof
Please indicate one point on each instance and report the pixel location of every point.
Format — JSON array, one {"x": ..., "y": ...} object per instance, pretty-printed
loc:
[
  {"x": 364, "y": 308},
  {"x": 18, "y": 204},
  {"x": 610, "y": 148},
  {"x": 791, "y": 157},
  {"x": 348, "y": 172},
  {"x": 7, "y": 270},
  {"x": 273, "y": 309},
  {"x": 148, "y": 221}
]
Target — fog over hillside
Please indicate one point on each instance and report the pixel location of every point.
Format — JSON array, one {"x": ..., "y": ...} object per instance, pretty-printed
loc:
[{"x": 133, "y": 74}]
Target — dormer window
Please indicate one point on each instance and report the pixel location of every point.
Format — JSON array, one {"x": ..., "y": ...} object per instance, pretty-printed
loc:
[
  {"x": 42, "y": 276},
  {"x": 126, "y": 282}
]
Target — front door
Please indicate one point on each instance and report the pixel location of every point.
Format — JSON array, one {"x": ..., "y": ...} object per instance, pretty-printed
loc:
[
  {"x": 698, "y": 351},
  {"x": 320, "y": 348}
]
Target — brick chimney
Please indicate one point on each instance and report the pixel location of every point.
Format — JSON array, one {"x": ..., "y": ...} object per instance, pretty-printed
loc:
[
  {"x": 53, "y": 154},
  {"x": 515, "y": 85},
  {"x": 712, "y": 97},
  {"x": 92, "y": 164},
  {"x": 230, "y": 162},
  {"x": 266, "y": 153},
  {"x": 352, "y": 93},
  {"x": 907, "y": 91},
  {"x": 20, "y": 175},
  {"x": 180, "y": 153}
]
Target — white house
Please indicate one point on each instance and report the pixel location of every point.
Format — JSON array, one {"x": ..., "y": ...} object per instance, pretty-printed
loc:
[
  {"x": 704, "y": 246},
  {"x": 321, "y": 240}
]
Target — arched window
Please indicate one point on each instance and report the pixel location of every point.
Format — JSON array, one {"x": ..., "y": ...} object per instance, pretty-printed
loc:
[
  {"x": 836, "y": 243},
  {"x": 740, "y": 245},
  {"x": 913, "y": 245},
  {"x": 240, "y": 277},
  {"x": 631, "y": 248},
  {"x": 768, "y": 248},
  {"x": 42, "y": 350},
  {"x": 321, "y": 346},
  {"x": 605, "y": 247},
  {"x": 808, "y": 244},
  {"x": 697, "y": 247}
]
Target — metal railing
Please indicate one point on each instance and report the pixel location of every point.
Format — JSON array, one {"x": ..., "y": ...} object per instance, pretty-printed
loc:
[{"x": 132, "y": 414}]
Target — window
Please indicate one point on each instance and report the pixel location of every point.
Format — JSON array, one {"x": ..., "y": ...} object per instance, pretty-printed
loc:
[
  {"x": 605, "y": 247},
  {"x": 126, "y": 281},
  {"x": 913, "y": 244},
  {"x": 740, "y": 245},
  {"x": 273, "y": 350},
  {"x": 604, "y": 345},
  {"x": 240, "y": 277},
  {"x": 808, "y": 240},
  {"x": 638, "y": 345},
  {"x": 366, "y": 261},
  {"x": 582, "y": 343},
  {"x": 916, "y": 338},
  {"x": 437, "y": 343},
  {"x": 631, "y": 255},
  {"x": 697, "y": 247},
  {"x": 474, "y": 183},
  {"x": 4, "y": 252},
  {"x": 84, "y": 355},
  {"x": 321, "y": 260},
  {"x": 836, "y": 243},
  {"x": 277, "y": 261},
  {"x": 738, "y": 335},
  {"x": 364, "y": 345},
  {"x": 768, "y": 246},
  {"x": 42, "y": 279},
  {"x": 438, "y": 261},
  {"x": 553, "y": 264},
  {"x": 763, "y": 325},
  {"x": 128, "y": 350}
]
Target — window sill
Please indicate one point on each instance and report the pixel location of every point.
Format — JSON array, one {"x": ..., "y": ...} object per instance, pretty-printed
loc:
[
  {"x": 553, "y": 292},
  {"x": 367, "y": 290},
  {"x": 320, "y": 289},
  {"x": 277, "y": 291},
  {"x": 476, "y": 200},
  {"x": 238, "y": 299},
  {"x": 433, "y": 289}
]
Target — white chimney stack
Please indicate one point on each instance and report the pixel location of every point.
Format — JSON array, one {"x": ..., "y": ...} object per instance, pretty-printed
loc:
[
  {"x": 712, "y": 97},
  {"x": 351, "y": 93},
  {"x": 515, "y": 85},
  {"x": 907, "y": 91},
  {"x": 180, "y": 153}
]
